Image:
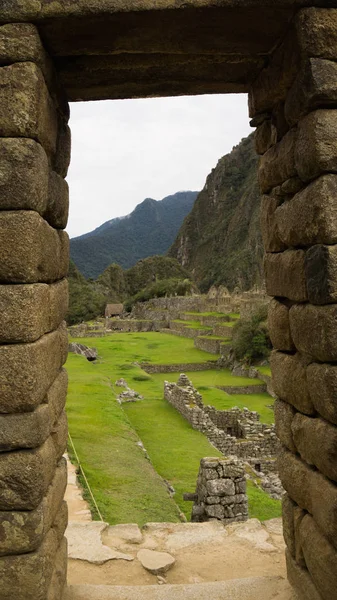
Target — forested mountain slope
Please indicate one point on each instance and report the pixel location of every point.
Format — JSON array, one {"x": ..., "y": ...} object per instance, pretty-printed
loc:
[{"x": 219, "y": 242}]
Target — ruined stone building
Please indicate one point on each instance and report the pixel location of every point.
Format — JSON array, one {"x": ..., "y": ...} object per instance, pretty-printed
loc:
[{"x": 284, "y": 54}]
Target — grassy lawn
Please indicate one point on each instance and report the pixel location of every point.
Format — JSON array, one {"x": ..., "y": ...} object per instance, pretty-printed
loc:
[
  {"x": 265, "y": 370},
  {"x": 261, "y": 506},
  {"x": 124, "y": 483}
]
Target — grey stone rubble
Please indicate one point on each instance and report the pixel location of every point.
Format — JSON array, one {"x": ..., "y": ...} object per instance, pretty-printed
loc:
[
  {"x": 128, "y": 395},
  {"x": 89, "y": 353}
]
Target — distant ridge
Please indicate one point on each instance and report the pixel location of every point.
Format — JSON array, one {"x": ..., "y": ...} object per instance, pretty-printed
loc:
[{"x": 148, "y": 230}]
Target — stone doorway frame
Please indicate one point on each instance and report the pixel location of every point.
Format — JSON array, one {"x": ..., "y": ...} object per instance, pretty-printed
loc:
[{"x": 292, "y": 102}]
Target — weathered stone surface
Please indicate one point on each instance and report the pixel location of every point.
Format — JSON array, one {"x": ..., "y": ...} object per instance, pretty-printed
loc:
[
  {"x": 215, "y": 511},
  {"x": 60, "y": 435},
  {"x": 290, "y": 380},
  {"x": 321, "y": 274},
  {"x": 221, "y": 487},
  {"x": 26, "y": 107},
  {"x": 279, "y": 327},
  {"x": 23, "y": 175},
  {"x": 28, "y": 576},
  {"x": 310, "y": 217},
  {"x": 156, "y": 562},
  {"x": 25, "y": 430},
  {"x": 301, "y": 580},
  {"x": 61, "y": 160},
  {"x": 307, "y": 487},
  {"x": 20, "y": 42},
  {"x": 265, "y": 137},
  {"x": 269, "y": 228},
  {"x": 45, "y": 305},
  {"x": 317, "y": 32},
  {"x": 85, "y": 543},
  {"x": 285, "y": 275},
  {"x": 30, "y": 250},
  {"x": 322, "y": 384},
  {"x": 25, "y": 476},
  {"x": 58, "y": 201},
  {"x": 288, "y": 507},
  {"x": 23, "y": 531},
  {"x": 316, "y": 151},
  {"x": 315, "y": 86},
  {"x": 278, "y": 163},
  {"x": 316, "y": 441},
  {"x": 28, "y": 370},
  {"x": 314, "y": 330},
  {"x": 320, "y": 557},
  {"x": 59, "y": 576},
  {"x": 284, "y": 415},
  {"x": 56, "y": 395}
]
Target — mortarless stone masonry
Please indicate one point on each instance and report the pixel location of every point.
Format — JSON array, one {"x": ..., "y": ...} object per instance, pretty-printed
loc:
[
  {"x": 221, "y": 491},
  {"x": 284, "y": 54}
]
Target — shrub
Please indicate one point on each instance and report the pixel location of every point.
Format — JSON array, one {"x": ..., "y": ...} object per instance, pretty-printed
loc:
[{"x": 251, "y": 340}]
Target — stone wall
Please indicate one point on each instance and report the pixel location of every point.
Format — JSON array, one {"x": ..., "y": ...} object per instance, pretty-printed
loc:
[
  {"x": 179, "y": 367},
  {"x": 233, "y": 432},
  {"x": 34, "y": 158},
  {"x": 293, "y": 103},
  {"x": 221, "y": 491}
]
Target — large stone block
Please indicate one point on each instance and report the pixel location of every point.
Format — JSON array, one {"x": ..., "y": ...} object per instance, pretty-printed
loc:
[
  {"x": 307, "y": 487},
  {"x": 292, "y": 516},
  {"x": 279, "y": 326},
  {"x": 315, "y": 86},
  {"x": 23, "y": 531},
  {"x": 58, "y": 201},
  {"x": 265, "y": 136},
  {"x": 289, "y": 380},
  {"x": 269, "y": 229},
  {"x": 285, "y": 275},
  {"x": 316, "y": 441},
  {"x": 24, "y": 175},
  {"x": 316, "y": 150},
  {"x": 317, "y": 32},
  {"x": 20, "y": 42},
  {"x": 25, "y": 476},
  {"x": 320, "y": 558},
  {"x": 30, "y": 250},
  {"x": 310, "y": 217},
  {"x": 278, "y": 163},
  {"x": 284, "y": 415},
  {"x": 301, "y": 580},
  {"x": 28, "y": 370},
  {"x": 59, "y": 577},
  {"x": 26, "y": 109},
  {"x": 61, "y": 160},
  {"x": 321, "y": 274},
  {"x": 46, "y": 306},
  {"x": 28, "y": 576},
  {"x": 30, "y": 430},
  {"x": 322, "y": 383},
  {"x": 314, "y": 330}
]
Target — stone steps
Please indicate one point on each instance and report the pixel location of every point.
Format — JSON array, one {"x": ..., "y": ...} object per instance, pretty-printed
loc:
[{"x": 250, "y": 588}]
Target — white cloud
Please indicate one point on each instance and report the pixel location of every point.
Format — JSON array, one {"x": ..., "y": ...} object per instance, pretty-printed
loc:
[{"x": 126, "y": 150}]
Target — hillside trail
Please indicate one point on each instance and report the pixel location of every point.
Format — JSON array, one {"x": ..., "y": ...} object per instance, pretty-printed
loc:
[{"x": 242, "y": 561}]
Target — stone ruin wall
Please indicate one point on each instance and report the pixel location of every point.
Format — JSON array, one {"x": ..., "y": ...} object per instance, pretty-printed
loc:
[
  {"x": 293, "y": 103},
  {"x": 254, "y": 439},
  {"x": 34, "y": 258},
  {"x": 220, "y": 491}
]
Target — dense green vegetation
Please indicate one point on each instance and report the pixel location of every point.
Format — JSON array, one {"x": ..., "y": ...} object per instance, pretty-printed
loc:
[
  {"x": 251, "y": 341},
  {"x": 123, "y": 482},
  {"x": 149, "y": 230},
  {"x": 87, "y": 299},
  {"x": 220, "y": 240}
]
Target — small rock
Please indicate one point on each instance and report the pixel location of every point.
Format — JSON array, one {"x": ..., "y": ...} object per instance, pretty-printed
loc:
[
  {"x": 155, "y": 562},
  {"x": 161, "y": 580}
]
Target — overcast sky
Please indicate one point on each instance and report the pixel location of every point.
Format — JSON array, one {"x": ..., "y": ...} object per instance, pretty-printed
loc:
[{"x": 124, "y": 151}]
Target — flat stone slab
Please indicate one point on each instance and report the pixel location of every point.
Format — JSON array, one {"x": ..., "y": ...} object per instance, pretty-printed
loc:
[
  {"x": 129, "y": 533},
  {"x": 250, "y": 588},
  {"x": 85, "y": 543},
  {"x": 253, "y": 531},
  {"x": 155, "y": 562},
  {"x": 182, "y": 535}
]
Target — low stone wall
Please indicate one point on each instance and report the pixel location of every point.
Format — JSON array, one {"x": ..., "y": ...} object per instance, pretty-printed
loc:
[
  {"x": 132, "y": 325},
  {"x": 223, "y": 331},
  {"x": 208, "y": 344},
  {"x": 243, "y": 389},
  {"x": 233, "y": 432},
  {"x": 179, "y": 367},
  {"x": 220, "y": 491}
]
